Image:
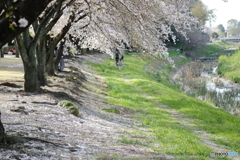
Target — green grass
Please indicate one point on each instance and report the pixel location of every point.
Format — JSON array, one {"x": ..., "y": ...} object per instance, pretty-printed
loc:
[
  {"x": 111, "y": 110},
  {"x": 128, "y": 140},
  {"x": 173, "y": 53},
  {"x": 229, "y": 67},
  {"x": 213, "y": 48},
  {"x": 132, "y": 89}
]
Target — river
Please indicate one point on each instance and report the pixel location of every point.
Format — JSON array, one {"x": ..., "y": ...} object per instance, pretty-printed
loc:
[{"x": 200, "y": 79}]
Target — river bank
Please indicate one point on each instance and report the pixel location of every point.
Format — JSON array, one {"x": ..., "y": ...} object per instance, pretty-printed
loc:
[
  {"x": 199, "y": 78},
  {"x": 192, "y": 126}
]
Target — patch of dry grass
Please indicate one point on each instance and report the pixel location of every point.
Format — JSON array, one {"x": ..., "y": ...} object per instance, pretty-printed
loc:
[{"x": 11, "y": 66}]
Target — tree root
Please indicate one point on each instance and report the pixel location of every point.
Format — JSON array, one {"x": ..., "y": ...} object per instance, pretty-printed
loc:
[{"x": 10, "y": 140}]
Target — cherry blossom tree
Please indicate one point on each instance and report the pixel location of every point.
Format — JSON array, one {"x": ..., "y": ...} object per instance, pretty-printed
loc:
[
  {"x": 31, "y": 49},
  {"x": 17, "y": 15},
  {"x": 78, "y": 16},
  {"x": 37, "y": 50},
  {"x": 143, "y": 24}
]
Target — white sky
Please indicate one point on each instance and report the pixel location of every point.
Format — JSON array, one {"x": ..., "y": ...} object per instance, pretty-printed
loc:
[{"x": 224, "y": 11}]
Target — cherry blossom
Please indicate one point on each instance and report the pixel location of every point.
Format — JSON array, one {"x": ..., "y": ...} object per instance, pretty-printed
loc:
[
  {"x": 143, "y": 24},
  {"x": 23, "y": 22}
]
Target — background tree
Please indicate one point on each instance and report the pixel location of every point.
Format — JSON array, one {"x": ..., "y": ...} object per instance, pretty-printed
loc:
[
  {"x": 77, "y": 18},
  {"x": 196, "y": 38},
  {"x": 233, "y": 27},
  {"x": 201, "y": 11},
  {"x": 211, "y": 16},
  {"x": 215, "y": 35},
  {"x": 221, "y": 30}
]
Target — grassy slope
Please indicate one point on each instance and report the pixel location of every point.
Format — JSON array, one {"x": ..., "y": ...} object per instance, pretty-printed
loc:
[
  {"x": 213, "y": 48},
  {"x": 229, "y": 67},
  {"x": 132, "y": 89}
]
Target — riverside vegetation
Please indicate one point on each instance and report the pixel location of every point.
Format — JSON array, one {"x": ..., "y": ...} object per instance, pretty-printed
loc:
[
  {"x": 198, "y": 78},
  {"x": 229, "y": 67},
  {"x": 180, "y": 125}
]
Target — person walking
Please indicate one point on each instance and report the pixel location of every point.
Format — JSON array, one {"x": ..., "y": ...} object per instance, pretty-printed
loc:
[
  {"x": 62, "y": 63},
  {"x": 117, "y": 53},
  {"x": 118, "y": 58},
  {"x": 120, "y": 62}
]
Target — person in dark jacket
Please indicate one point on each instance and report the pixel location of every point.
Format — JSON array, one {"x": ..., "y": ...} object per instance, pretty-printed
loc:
[
  {"x": 117, "y": 56},
  {"x": 120, "y": 61}
]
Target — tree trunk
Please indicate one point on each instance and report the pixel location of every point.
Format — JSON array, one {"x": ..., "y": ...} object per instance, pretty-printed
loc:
[
  {"x": 41, "y": 59},
  {"x": 50, "y": 67},
  {"x": 16, "y": 49},
  {"x": 2, "y": 132},
  {"x": 31, "y": 78},
  {"x": 2, "y": 53},
  {"x": 41, "y": 70},
  {"x": 29, "y": 62}
]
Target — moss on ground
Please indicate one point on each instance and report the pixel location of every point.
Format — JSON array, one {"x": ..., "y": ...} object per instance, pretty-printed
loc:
[{"x": 70, "y": 106}]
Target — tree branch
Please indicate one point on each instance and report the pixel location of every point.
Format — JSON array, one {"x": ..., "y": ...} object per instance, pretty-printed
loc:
[{"x": 28, "y": 9}]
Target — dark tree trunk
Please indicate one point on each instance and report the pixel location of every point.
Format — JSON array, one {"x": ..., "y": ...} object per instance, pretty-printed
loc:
[
  {"x": 16, "y": 49},
  {"x": 42, "y": 77},
  {"x": 2, "y": 53},
  {"x": 50, "y": 63},
  {"x": 50, "y": 68},
  {"x": 28, "y": 56},
  {"x": 41, "y": 59},
  {"x": 31, "y": 78},
  {"x": 2, "y": 132}
]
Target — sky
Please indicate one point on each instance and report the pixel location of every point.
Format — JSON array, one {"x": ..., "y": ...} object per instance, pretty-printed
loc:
[{"x": 224, "y": 11}]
